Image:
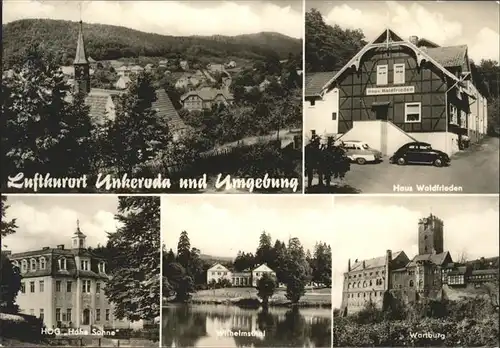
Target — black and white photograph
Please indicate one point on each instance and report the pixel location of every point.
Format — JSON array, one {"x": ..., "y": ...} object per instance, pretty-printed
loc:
[
  {"x": 253, "y": 272},
  {"x": 416, "y": 271},
  {"x": 80, "y": 271},
  {"x": 402, "y": 97},
  {"x": 152, "y": 96}
]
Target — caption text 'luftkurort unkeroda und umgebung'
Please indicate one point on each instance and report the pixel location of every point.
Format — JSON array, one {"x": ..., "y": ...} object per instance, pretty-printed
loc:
[{"x": 108, "y": 182}]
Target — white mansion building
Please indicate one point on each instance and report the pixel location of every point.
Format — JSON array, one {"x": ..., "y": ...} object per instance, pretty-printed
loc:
[{"x": 246, "y": 278}]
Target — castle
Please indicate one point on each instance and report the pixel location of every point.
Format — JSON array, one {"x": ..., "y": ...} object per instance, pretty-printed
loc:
[
  {"x": 65, "y": 287},
  {"x": 425, "y": 276}
]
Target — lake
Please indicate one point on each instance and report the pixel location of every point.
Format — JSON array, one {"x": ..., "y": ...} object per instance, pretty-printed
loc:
[{"x": 221, "y": 326}]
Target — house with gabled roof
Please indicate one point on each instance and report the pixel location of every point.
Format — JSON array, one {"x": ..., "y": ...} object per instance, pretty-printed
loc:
[
  {"x": 205, "y": 98},
  {"x": 246, "y": 278},
  {"x": 395, "y": 91}
]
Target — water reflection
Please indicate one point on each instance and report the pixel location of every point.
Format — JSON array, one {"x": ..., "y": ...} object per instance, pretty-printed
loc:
[{"x": 205, "y": 326}]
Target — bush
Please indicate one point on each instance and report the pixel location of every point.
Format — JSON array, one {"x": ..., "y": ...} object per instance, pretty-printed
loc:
[{"x": 21, "y": 327}]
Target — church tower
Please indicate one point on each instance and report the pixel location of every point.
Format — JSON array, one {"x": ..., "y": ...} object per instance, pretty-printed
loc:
[
  {"x": 78, "y": 239},
  {"x": 430, "y": 235},
  {"x": 81, "y": 65}
]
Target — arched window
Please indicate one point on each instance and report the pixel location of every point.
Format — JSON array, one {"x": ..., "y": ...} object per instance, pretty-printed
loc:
[
  {"x": 420, "y": 282},
  {"x": 42, "y": 263},
  {"x": 24, "y": 266},
  {"x": 370, "y": 282},
  {"x": 411, "y": 284},
  {"x": 62, "y": 263},
  {"x": 32, "y": 265}
]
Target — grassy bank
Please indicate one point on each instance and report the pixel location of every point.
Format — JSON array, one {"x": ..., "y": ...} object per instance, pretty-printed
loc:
[{"x": 312, "y": 298}]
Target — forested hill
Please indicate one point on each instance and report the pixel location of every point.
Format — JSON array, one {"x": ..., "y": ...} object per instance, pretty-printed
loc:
[{"x": 113, "y": 42}]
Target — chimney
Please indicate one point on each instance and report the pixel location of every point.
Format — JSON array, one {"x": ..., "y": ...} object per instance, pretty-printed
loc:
[
  {"x": 388, "y": 259},
  {"x": 60, "y": 246},
  {"x": 313, "y": 133},
  {"x": 349, "y": 265},
  {"x": 364, "y": 265},
  {"x": 414, "y": 40}
]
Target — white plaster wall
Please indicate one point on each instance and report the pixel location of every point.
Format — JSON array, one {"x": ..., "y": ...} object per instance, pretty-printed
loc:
[{"x": 319, "y": 116}]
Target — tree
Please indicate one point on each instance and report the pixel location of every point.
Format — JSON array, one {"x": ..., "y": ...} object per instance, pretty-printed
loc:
[
  {"x": 266, "y": 286},
  {"x": 244, "y": 261},
  {"x": 264, "y": 252},
  {"x": 170, "y": 257},
  {"x": 134, "y": 285},
  {"x": 180, "y": 282},
  {"x": 280, "y": 253},
  {"x": 137, "y": 134},
  {"x": 10, "y": 281},
  {"x": 55, "y": 132},
  {"x": 195, "y": 269},
  {"x": 297, "y": 269},
  {"x": 322, "y": 264},
  {"x": 329, "y": 48},
  {"x": 184, "y": 250}
]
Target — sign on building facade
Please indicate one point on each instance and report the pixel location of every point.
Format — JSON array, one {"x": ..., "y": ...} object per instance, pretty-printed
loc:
[{"x": 390, "y": 90}]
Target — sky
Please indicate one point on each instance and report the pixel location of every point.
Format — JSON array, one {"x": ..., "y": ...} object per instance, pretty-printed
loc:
[
  {"x": 50, "y": 220},
  {"x": 177, "y": 18},
  {"x": 372, "y": 225},
  {"x": 473, "y": 23},
  {"x": 221, "y": 225}
]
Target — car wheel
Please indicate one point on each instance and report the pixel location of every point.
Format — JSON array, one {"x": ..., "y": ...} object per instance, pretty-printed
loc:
[
  {"x": 401, "y": 161},
  {"x": 360, "y": 160},
  {"x": 438, "y": 162}
]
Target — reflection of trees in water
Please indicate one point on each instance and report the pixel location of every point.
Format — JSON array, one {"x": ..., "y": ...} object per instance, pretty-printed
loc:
[
  {"x": 290, "y": 330},
  {"x": 183, "y": 327}
]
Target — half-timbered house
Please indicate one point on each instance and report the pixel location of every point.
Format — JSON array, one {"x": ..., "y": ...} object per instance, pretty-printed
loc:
[{"x": 396, "y": 91}]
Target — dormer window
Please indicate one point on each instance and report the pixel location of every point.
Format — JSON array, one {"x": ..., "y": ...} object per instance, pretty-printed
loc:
[
  {"x": 42, "y": 263},
  {"x": 15, "y": 263},
  {"x": 84, "y": 265},
  {"x": 62, "y": 264},
  {"x": 102, "y": 267},
  {"x": 24, "y": 266},
  {"x": 32, "y": 265}
]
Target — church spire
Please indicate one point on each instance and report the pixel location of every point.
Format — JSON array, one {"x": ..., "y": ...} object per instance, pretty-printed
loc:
[{"x": 80, "y": 57}]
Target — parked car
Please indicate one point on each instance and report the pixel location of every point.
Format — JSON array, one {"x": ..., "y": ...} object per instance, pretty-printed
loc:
[
  {"x": 420, "y": 153},
  {"x": 360, "y": 152}
]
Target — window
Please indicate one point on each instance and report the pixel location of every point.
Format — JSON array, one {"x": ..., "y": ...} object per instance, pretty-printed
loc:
[
  {"x": 41, "y": 314},
  {"x": 42, "y": 263},
  {"x": 68, "y": 314},
  {"x": 32, "y": 286},
  {"x": 32, "y": 312},
  {"x": 86, "y": 286},
  {"x": 399, "y": 74},
  {"x": 97, "y": 314},
  {"x": 68, "y": 286},
  {"x": 98, "y": 287},
  {"x": 381, "y": 74},
  {"x": 41, "y": 285},
  {"x": 411, "y": 283},
  {"x": 58, "y": 286},
  {"x": 16, "y": 264},
  {"x": 412, "y": 112},
  {"x": 453, "y": 115},
  {"x": 58, "y": 314},
  {"x": 312, "y": 103},
  {"x": 107, "y": 314},
  {"x": 463, "y": 119},
  {"x": 23, "y": 288},
  {"x": 62, "y": 264},
  {"x": 84, "y": 265},
  {"x": 32, "y": 265},
  {"x": 334, "y": 116},
  {"x": 24, "y": 266},
  {"x": 102, "y": 267}
]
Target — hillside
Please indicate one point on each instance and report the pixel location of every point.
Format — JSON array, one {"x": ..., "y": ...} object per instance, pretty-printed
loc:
[
  {"x": 113, "y": 42},
  {"x": 214, "y": 259}
]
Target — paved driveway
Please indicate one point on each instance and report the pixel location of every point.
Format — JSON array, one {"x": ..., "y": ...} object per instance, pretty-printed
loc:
[{"x": 474, "y": 170}]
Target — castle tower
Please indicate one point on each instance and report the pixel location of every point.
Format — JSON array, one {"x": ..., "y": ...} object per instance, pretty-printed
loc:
[
  {"x": 78, "y": 239},
  {"x": 81, "y": 65},
  {"x": 430, "y": 235},
  {"x": 388, "y": 261}
]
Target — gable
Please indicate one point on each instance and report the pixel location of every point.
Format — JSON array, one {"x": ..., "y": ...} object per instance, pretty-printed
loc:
[{"x": 388, "y": 39}]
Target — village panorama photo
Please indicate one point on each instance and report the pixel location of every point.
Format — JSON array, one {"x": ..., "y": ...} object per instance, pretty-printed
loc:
[
  {"x": 402, "y": 97},
  {"x": 71, "y": 265},
  {"x": 246, "y": 272},
  {"x": 159, "y": 96}
]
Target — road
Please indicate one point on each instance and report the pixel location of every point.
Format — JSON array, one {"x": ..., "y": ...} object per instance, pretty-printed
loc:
[{"x": 474, "y": 170}]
